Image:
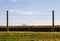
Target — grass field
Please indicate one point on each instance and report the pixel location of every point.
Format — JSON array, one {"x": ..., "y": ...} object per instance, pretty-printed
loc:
[{"x": 29, "y": 36}]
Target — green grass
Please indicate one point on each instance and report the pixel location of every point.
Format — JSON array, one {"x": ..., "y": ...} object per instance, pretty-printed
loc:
[{"x": 29, "y": 36}]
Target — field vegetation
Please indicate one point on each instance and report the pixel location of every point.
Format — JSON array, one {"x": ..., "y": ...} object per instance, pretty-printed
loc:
[{"x": 29, "y": 36}]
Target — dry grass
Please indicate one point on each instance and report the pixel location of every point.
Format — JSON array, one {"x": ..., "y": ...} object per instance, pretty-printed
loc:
[{"x": 29, "y": 36}]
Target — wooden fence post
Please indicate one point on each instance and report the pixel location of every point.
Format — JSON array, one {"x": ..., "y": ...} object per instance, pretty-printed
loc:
[
  {"x": 53, "y": 19},
  {"x": 7, "y": 21}
]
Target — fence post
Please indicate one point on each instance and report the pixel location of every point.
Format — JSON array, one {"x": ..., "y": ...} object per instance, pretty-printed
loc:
[
  {"x": 7, "y": 21},
  {"x": 53, "y": 19}
]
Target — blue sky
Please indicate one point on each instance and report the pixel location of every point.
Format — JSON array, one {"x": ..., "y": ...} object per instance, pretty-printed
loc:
[{"x": 29, "y": 11}]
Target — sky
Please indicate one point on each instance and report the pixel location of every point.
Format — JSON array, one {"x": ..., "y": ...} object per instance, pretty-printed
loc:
[{"x": 29, "y": 12}]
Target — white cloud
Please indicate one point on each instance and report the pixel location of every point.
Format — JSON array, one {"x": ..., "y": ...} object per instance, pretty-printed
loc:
[
  {"x": 21, "y": 12},
  {"x": 27, "y": 12},
  {"x": 12, "y": 10},
  {"x": 20, "y": 0},
  {"x": 13, "y": 0}
]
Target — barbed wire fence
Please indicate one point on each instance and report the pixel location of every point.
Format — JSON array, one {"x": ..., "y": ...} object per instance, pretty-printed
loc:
[
  {"x": 35, "y": 15},
  {"x": 21, "y": 18}
]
